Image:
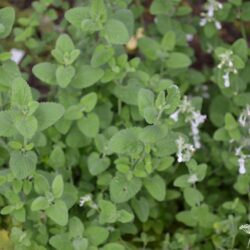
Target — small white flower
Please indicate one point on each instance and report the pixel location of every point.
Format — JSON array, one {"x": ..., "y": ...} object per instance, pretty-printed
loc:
[
  {"x": 193, "y": 117},
  {"x": 17, "y": 55},
  {"x": 185, "y": 150},
  {"x": 193, "y": 179},
  {"x": 175, "y": 115},
  {"x": 189, "y": 37},
  {"x": 242, "y": 168},
  {"x": 238, "y": 151},
  {"x": 197, "y": 119},
  {"x": 245, "y": 228},
  {"x": 218, "y": 25},
  {"x": 244, "y": 118},
  {"x": 226, "y": 79},
  {"x": 210, "y": 8},
  {"x": 84, "y": 199},
  {"x": 203, "y": 21}
]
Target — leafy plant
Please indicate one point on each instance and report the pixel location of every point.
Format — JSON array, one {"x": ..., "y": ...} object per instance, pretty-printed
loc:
[{"x": 124, "y": 125}]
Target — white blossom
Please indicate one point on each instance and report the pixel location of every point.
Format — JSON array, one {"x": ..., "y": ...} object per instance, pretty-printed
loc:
[
  {"x": 242, "y": 168},
  {"x": 210, "y": 7},
  {"x": 197, "y": 119},
  {"x": 226, "y": 79},
  {"x": 189, "y": 37},
  {"x": 245, "y": 228},
  {"x": 227, "y": 65},
  {"x": 244, "y": 118},
  {"x": 175, "y": 116},
  {"x": 185, "y": 150},
  {"x": 17, "y": 55},
  {"x": 84, "y": 199},
  {"x": 193, "y": 117}
]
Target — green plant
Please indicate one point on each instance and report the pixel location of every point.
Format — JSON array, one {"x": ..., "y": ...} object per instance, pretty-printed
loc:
[{"x": 125, "y": 126}]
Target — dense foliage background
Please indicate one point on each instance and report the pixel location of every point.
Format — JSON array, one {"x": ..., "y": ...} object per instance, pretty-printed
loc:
[{"x": 124, "y": 124}]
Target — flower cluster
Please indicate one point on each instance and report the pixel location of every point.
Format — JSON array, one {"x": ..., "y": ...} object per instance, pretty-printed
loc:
[
  {"x": 244, "y": 121},
  {"x": 241, "y": 160},
  {"x": 210, "y": 8},
  {"x": 226, "y": 63},
  {"x": 185, "y": 150},
  {"x": 193, "y": 117},
  {"x": 87, "y": 199},
  {"x": 244, "y": 118}
]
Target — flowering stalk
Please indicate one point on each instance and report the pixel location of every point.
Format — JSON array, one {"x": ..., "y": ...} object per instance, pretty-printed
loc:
[
  {"x": 226, "y": 63},
  {"x": 193, "y": 117},
  {"x": 185, "y": 150},
  {"x": 210, "y": 8}
]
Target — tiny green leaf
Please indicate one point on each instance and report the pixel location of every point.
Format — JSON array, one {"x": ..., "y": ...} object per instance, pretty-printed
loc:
[{"x": 57, "y": 186}]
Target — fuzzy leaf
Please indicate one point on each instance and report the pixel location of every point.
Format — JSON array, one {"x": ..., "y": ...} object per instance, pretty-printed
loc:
[
  {"x": 22, "y": 164},
  {"x": 48, "y": 113}
]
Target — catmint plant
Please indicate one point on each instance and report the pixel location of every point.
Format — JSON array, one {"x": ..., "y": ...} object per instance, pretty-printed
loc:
[{"x": 124, "y": 125}]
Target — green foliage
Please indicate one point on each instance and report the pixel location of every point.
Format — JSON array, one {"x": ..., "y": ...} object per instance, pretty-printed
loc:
[{"x": 124, "y": 125}]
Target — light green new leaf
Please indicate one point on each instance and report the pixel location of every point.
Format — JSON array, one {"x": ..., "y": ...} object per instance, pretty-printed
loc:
[
  {"x": 64, "y": 43},
  {"x": 145, "y": 99},
  {"x": 41, "y": 184},
  {"x": 76, "y": 227},
  {"x": 230, "y": 122},
  {"x": 23, "y": 164},
  {"x": 240, "y": 48},
  {"x": 26, "y": 125},
  {"x": 146, "y": 105},
  {"x": 156, "y": 187},
  {"x": 48, "y": 113},
  {"x": 75, "y": 16},
  {"x": 57, "y": 186},
  {"x": 116, "y": 32},
  {"x": 64, "y": 75},
  {"x": 92, "y": 231},
  {"x": 108, "y": 212},
  {"x": 102, "y": 55},
  {"x": 80, "y": 244},
  {"x": 98, "y": 10},
  {"x": 40, "y": 203},
  {"x": 20, "y": 93},
  {"x": 97, "y": 165},
  {"x": 73, "y": 112},
  {"x": 168, "y": 41},
  {"x": 61, "y": 241},
  {"x": 57, "y": 158},
  {"x": 173, "y": 99},
  {"x": 113, "y": 246},
  {"x": 7, "y": 18},
  {"x": 153, "y": 133},
  {"x": 124, "y": 216},
  {"x": 7, "y": 128},
  {"x": 89, "y": 125},
  {"x": 178, "y": 60},
  {"x": 88, "y": 102},
  {"x": 121, "y": 189},
  {"x": 127, "y": 18},
  {"x": 141, "y": 208},
  {"x": 149, "y": 47},
  {"x": 87, "y": 76},
  {"x": 182, "y": 181},
  {"x": 192, "y": 196},
  {"x": 45, "y": 72},
  {"x": 58, "y": 212},
  {"x": 65, "y": 52},
  {"x": 125, "y": 141}
]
